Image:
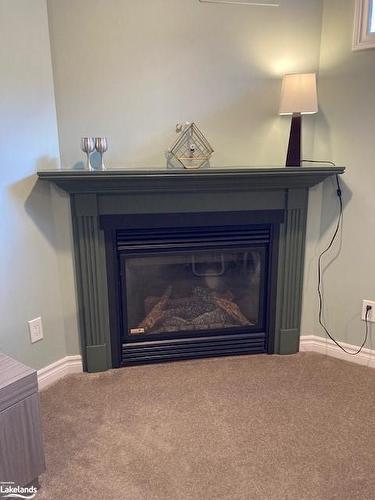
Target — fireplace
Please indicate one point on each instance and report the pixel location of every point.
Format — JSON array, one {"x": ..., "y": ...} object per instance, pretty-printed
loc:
[
  {"x": 183, "y": 264},
  {"x": 185, "y": 291}
]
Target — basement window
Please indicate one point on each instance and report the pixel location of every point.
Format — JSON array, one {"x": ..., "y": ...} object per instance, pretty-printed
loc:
[{"x": 364, "y": 25}]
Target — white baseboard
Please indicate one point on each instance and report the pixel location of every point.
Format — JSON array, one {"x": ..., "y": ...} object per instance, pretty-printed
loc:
[
  {"x": 54, "y": 372},
  {"x": 322, "y": 345},
  {"x": 308, "y": 343}
]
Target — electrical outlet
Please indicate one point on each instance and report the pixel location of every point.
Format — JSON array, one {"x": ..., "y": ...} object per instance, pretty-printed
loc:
[
  {"x": 36, "y": 330},
  {"x": 371, "y": 313}
]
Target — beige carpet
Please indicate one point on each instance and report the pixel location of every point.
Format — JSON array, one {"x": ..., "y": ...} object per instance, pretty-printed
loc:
[{"x": 254, "y": 427}]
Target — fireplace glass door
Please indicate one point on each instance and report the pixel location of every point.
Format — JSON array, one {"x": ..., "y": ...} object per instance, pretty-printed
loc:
[{"x": 177, "y": 293}]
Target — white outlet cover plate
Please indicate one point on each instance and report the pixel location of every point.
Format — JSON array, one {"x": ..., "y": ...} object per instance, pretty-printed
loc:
[
  {"x": 371, "y": 313},
  {"x": 36, "y": 329}
]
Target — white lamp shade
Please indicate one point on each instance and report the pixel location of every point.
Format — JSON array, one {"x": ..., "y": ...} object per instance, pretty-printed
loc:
[{"x": 299, "y": 95}]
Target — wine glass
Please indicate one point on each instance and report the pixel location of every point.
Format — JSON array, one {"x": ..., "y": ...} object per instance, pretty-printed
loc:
[
  {"x": 88, "y": 146},
  {"x": 101, "y": 145}
]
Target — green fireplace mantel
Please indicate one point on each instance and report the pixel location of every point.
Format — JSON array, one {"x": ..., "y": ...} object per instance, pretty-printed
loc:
[
  {"x": 166, "y": 180},
  {"x": 161, "y": 191}
]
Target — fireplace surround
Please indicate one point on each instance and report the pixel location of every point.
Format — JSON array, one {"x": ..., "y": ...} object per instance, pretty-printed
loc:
[{"x": 182, "y": 264}]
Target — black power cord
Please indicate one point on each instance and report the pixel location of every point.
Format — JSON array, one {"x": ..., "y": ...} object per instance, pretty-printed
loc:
[{"x": 320, "y": 291}]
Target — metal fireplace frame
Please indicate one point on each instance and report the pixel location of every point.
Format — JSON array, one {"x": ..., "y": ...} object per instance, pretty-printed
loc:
[{"x": 236, "y": 229}]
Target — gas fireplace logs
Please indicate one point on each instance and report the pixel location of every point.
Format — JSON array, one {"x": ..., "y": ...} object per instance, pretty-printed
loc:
[
  {"x": 231, "y": 309},
  {"x": 203, "y": 309},
  {"x": 156, "y": 312}
]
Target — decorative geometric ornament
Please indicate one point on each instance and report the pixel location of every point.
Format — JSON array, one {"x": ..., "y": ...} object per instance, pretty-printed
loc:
[{"x": 191, "y": 150}]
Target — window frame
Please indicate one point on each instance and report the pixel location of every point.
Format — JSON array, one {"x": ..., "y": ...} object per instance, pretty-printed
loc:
[{"x": 363, "y": 38}]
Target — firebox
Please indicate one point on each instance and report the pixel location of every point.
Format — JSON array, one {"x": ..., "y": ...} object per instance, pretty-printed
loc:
[{"x": 182, "y": 290}]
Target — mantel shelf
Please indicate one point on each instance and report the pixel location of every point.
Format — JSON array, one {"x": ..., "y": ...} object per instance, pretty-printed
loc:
[{"x": 164, "y": 180}]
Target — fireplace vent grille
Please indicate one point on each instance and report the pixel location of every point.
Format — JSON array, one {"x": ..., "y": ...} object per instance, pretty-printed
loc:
[
  {"x": 133, "y": 240},
  {"x": 153, "y": 352}
]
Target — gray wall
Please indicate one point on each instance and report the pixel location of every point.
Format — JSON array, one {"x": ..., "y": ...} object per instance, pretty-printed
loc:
[
  {"x": 131, "y": 69},
  {"x": 30, "y": 257},
  {"x": 345, "y": 133}
]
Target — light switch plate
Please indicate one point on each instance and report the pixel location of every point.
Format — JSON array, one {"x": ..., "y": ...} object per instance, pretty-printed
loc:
[{"x": 36, "y": 329}]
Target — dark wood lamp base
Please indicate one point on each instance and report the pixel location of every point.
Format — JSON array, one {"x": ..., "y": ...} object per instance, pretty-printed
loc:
[{"x": 293, "y": 158}]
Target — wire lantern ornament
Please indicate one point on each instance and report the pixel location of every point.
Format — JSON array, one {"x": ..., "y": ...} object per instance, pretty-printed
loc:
[{"x": 191, "y": 149}]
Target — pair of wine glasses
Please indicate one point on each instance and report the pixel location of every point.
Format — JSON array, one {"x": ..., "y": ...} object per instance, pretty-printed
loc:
[{"x": 88, "y": 146}]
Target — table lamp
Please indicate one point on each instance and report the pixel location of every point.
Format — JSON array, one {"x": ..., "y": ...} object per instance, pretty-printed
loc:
[{"x": 298, "y": 97}]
